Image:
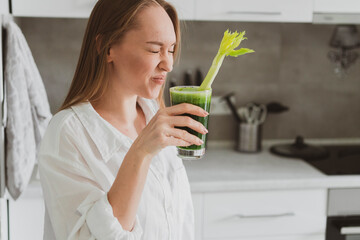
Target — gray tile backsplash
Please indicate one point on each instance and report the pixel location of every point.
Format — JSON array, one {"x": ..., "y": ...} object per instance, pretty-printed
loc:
[{"x": 290, "y": 66}]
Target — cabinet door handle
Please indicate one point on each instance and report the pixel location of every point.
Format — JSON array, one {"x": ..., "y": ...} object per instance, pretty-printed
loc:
[
  {"x": 272, "y": 215},
  {"x": 350, "y": 230},
  {"x": 253, "y": 13}
]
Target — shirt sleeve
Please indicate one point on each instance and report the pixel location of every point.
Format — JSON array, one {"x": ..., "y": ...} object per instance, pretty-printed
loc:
[{"x": 77, "y": 206}]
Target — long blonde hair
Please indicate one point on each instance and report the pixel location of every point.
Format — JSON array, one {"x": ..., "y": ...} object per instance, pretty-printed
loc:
[{"x": 108, "y": 23}]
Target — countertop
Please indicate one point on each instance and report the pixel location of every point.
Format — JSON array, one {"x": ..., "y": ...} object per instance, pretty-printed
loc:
[{"x": 224, "y": 169}]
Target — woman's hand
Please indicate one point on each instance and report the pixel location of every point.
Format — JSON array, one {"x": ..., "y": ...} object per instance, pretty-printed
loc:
[{"x": 161, "y": 131}]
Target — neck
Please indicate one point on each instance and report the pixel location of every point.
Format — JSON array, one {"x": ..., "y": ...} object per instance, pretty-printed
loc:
[{"x": 117, "y": 104}]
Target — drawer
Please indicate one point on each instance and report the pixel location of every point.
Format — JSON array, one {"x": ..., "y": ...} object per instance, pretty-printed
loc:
[
  {"x": 255, "y": 10},
  {"x": 264, "y": 213}
]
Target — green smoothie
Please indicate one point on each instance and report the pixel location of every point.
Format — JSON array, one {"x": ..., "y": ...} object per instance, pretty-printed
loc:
[{"x": 190, "y": 94}]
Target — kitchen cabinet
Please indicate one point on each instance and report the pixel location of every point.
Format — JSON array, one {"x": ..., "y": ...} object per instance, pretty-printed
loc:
[
  {"x": 198, "y": 212},
  {"x": 4, "y": 7},
  {"x": 316, "y": 11},
  {"x": 2, "y": 117},
  {"x": 3, "y": 219},
  {"x": 336, "y": 11},
  {"x": 255, "y": 10},
  {"x": 286, "y": 237},
  {"x": 80, "y": 8},
  {"x": 3, "y": 201},
  {"x": 26, "y": 214},
  {"x": 266, "y": 215},
  {"x": 184, "y": 8},
  {"x": 344, "y": 202},
  {"x": 53, "y": 8},
  {"x": 337, "y": 6}
]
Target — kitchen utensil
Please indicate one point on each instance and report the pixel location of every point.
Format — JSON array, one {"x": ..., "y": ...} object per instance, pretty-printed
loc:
[
  {"x": 262, "y": 114},
  {"x": 249, "y": 121},
  {"x": 243, "y": 114},
  {"x": 253, "y": 113},
  {"x": 187, "y": 78},
  {"x": 232, "y": 107},
  {"x": 275, "y": 107},
  {"x": 249, "y": 139},
  {"x": 299, "y": 149},
  {"x": 172, "y": 82},
  {"x": 258, "y": 114},
  {"x": 198, "y": 77}
]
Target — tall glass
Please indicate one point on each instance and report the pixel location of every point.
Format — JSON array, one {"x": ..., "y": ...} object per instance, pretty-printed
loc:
[{"x": 190, "y": 94}]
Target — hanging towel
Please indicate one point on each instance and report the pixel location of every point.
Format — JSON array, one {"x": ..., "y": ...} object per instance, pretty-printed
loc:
[{"x": 28, "y": 112}]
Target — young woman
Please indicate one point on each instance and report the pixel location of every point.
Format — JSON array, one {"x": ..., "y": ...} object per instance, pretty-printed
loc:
[{"x": 108, "y": 164}]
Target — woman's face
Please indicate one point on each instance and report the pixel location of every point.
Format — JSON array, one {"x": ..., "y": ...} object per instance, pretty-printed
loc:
[{"x": 140, "y": 62}]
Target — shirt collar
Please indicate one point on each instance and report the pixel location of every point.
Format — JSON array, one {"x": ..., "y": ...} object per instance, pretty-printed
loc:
[{"x": 106, "y": 137}]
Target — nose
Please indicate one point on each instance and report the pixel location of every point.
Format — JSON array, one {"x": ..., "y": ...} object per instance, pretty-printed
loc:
[{"x": 166, "y": 63}]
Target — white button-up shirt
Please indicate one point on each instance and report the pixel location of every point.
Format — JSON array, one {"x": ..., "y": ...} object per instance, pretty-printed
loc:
[{"x": 79, "y": 158}]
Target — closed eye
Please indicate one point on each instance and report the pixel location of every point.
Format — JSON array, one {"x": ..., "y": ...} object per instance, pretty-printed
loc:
[
  {"x": 172, "y": 52},
  {"x": 161, "y": 45}
]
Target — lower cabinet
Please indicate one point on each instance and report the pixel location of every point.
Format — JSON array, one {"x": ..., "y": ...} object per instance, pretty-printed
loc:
[
  {"x": 245, "y": 215},
  {"x": 265, "y": 215},
  {"x": 198, "y": 212},
  {"x": 26, "y": 215},
  {"x": 285, "y": 237}
]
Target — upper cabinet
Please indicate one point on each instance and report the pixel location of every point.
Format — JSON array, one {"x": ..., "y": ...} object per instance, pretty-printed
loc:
[
  {"x": 185, "y": 8},
  {"x": 80, "y": 8},
  {"x": 4, "y": 7},
  {"x": 255, "y": 10},
  {"x": 337, "y": 6},
  {"x": 317, "y": 11},
  {"x": 53, "y": 8},
  {"x": 336, "y": 11}
]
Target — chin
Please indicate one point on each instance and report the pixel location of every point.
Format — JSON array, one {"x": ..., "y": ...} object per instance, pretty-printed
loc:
[{"x": 152, "y": 94}]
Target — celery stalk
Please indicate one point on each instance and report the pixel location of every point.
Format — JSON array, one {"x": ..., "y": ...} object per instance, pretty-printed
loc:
[{"x": 227, "y": 47}]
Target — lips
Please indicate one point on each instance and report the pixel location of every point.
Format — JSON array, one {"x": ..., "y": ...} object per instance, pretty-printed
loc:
[{"x": 160, "y": 79}]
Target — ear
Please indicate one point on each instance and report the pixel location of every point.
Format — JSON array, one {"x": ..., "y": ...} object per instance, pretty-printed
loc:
[
  {"x": 109, "y": 55},
  {"x": 98, "y": 44}
]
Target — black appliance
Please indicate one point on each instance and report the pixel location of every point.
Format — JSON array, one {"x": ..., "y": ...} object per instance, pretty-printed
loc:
[
  {"x": 340, "y": 160},
  {"x": 330, "y": 159},
  {"x": 343, "y": 228}
]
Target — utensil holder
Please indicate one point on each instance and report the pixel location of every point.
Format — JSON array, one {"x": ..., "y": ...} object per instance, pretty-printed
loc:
[{"x": 249, "y": 137}]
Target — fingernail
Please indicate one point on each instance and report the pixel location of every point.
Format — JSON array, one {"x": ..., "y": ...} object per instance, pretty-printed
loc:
[
  {"x": 206, "y": 113},
  {"x": 205, "y": 130},
  {"x": 201, "y": 142}
]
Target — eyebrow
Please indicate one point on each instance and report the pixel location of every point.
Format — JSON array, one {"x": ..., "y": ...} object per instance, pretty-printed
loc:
[{"x": 158, "y": 43}]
